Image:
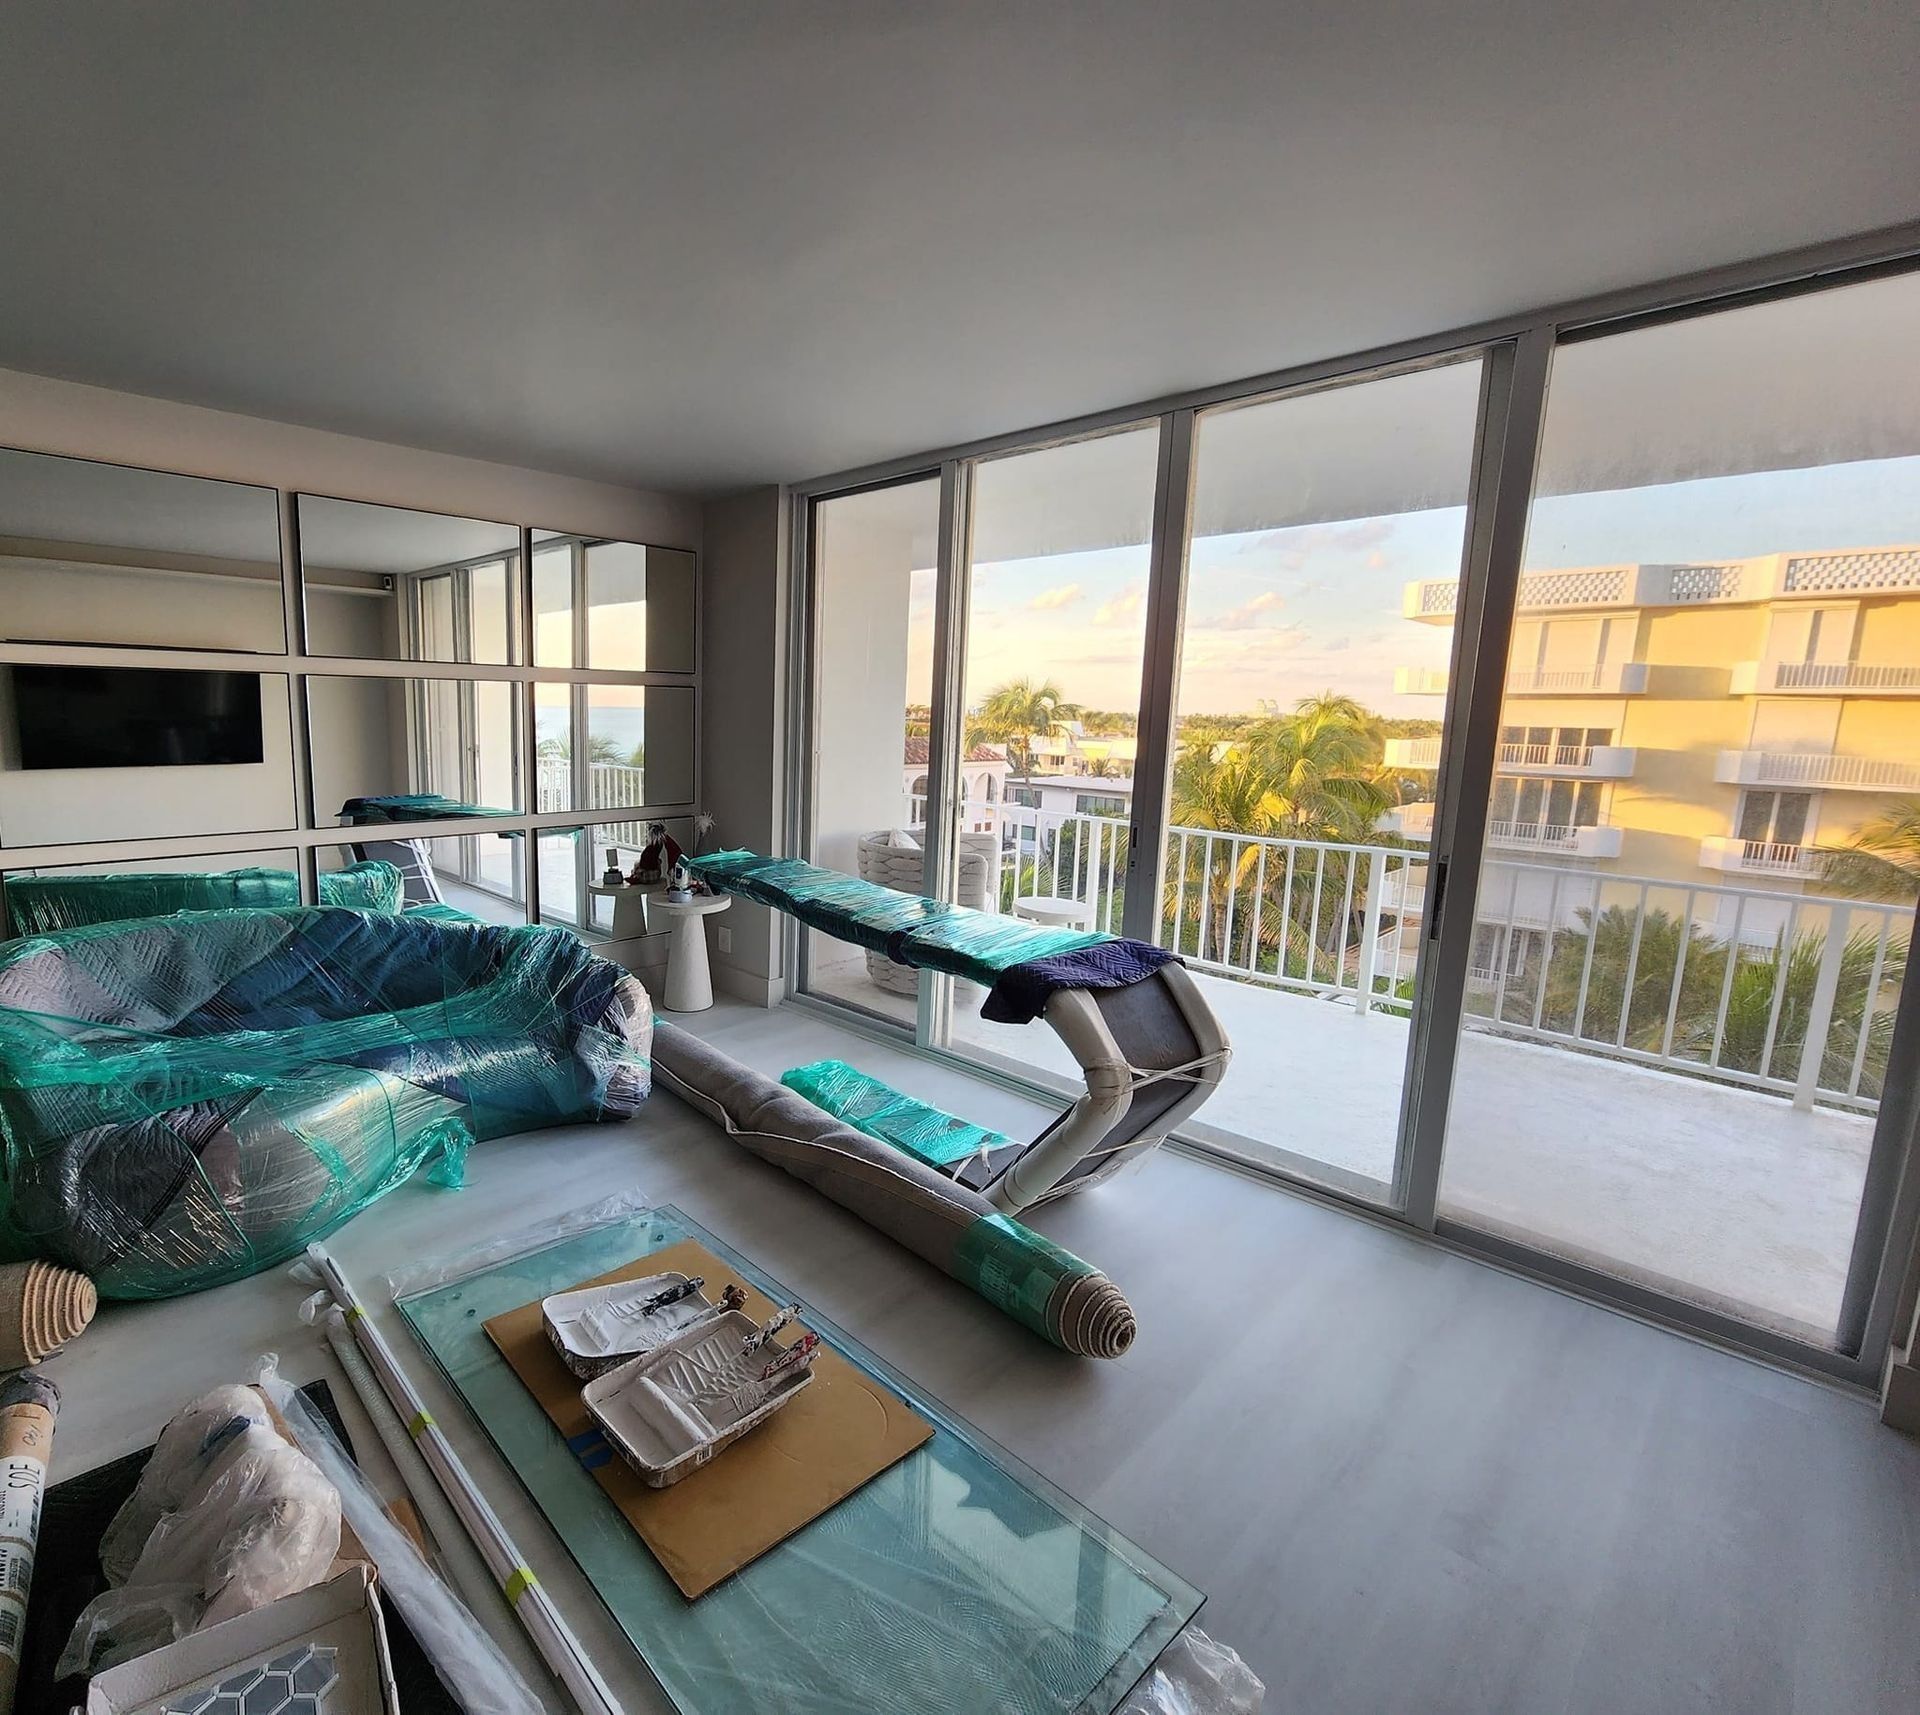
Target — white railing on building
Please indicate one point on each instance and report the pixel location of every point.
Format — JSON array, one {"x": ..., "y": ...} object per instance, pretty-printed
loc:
[
  {"x": 610, "y": 785},
  {"x": 1340, "y": 921},
  {"x": 1603, "y": 678},
  {"x": 1845, "y": 678},
  {"x": 1574, "y": 761},
  {"x": 1792, "y": 768},
  {"x": 1755, "y": 857},
  {"x": 1761, "y": 578}
]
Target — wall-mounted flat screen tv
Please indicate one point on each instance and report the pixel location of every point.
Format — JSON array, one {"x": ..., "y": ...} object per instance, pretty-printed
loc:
[{"x": 134, "y": 717}]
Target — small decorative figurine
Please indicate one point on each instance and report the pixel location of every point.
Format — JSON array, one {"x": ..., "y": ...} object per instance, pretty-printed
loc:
[
  {"x": 612, "y": 876},
  {"x": 657, "y": 857}
]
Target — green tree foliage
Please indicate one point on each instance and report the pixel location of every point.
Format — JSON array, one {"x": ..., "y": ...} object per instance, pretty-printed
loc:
[
  {"x": 1016, "y": 713},
  {"x": 1882, "y": 860}
]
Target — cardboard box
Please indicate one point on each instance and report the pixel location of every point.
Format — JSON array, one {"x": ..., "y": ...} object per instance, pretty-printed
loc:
[{"x": 324, "y": 1650}]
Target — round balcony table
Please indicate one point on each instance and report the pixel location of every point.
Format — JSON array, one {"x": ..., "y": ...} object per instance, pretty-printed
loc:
[
  {"x": 689, "y": 979},
  {"x": 1060, "y": 913}
]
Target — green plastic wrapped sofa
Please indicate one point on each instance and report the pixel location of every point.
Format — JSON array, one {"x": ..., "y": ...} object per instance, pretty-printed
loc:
[{"x": 187, "y": 1099}]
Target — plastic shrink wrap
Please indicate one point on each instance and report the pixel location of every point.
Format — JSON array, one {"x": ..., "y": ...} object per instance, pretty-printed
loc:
[{"x": 185, "y": 1100}]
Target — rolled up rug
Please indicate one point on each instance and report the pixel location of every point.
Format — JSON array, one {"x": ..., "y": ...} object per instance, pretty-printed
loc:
[
  {"x": 1058, "y": 1295},
  {"x": 42, "y": 1307}
]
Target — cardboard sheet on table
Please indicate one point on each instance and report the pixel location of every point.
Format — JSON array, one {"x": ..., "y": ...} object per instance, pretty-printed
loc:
[{"x": 842, "y": 1431}]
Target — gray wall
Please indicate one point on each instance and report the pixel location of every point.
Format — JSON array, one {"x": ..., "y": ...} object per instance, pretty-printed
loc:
[{"x": 743, "y": 632}]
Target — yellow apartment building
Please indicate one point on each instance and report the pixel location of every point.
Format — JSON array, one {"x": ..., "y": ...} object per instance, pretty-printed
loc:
[{"x": 1709, "y": 724}]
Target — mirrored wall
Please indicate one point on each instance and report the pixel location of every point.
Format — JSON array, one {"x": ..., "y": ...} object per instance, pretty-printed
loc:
[
  {"x": 138, "y": 607},
  {"x": 385, "y": 583},
  {"x": 103, "y": 553}
]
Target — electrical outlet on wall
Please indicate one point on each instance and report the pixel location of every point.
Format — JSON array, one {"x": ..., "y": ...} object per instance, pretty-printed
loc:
[{"x": 723, "y": 938}]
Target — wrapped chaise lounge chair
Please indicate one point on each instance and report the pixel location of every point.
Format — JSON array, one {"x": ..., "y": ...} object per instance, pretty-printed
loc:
[{"x": 1145, "y": 1039}]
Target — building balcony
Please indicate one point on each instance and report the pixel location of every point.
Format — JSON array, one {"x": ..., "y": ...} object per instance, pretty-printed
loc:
[
  {"x": 1605, "y": 679},
  {"x": 1755, "y": 857},
  {"x": 1719, "y": 583},
  {"x": 1821, "y": 770},
  {"x": 1560, "y": 761},
  {"x": 1825, "y": 679},
  {"x": 1558, "y": 839}
]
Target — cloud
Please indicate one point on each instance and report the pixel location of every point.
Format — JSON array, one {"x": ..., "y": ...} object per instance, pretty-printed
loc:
[
  {"x": 1247, "y": 616},
  {"x": 1122, "y": 609},
  {"x": 1047, "y": 600}
]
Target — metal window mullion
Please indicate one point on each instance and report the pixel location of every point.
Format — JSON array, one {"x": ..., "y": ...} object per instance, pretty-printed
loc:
[
  {"x": 1884, "y": 1234},
  {"x": 946, "y": 726},
  {"x": 1506, "y": 449},
  {"x": 1156, "y": 729}
]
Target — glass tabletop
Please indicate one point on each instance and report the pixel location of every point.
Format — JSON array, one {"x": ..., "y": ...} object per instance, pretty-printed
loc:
[{"x": 957, "y": 1582}]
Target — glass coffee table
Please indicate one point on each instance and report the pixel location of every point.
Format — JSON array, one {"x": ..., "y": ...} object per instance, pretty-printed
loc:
[{"x": 957, "y": 1582}]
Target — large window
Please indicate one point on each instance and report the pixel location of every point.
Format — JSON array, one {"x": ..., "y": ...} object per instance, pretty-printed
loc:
[
  {"x": 1523, "y": 771},
  {"x": 1691, "y": 942}
]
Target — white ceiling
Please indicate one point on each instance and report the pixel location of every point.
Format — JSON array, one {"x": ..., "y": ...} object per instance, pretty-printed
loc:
[{"x": 705, "y": 246}]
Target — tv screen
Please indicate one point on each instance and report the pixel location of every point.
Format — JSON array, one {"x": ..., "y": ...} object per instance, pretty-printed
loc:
[{"x": 135, "y": 717}]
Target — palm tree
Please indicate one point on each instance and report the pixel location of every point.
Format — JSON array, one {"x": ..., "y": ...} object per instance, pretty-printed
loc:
[
  {"x": 1882, "y": 860},
  {"x": 1019, "y": 711},
  {"x": 1312, "y": 774}
]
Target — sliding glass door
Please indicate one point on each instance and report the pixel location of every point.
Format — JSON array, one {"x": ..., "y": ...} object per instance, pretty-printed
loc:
[
  {"x": 1053, "y": 615},
  {"x": 1526, "y": 777},
  {"x": 874, "y": 558},
  {"x": 1697, "y": 884},
  {"x": 1309, "y": 716}
]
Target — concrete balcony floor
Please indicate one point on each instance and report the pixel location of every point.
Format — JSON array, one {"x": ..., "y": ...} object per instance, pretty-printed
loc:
[{"x": 1721, "y": 1196}]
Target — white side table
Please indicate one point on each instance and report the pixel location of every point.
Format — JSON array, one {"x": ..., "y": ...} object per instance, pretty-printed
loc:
[
  {"x": 629, "y": 908},
  {"x": 689, "y": 980},
  {"x": 1061, "y": 913}
]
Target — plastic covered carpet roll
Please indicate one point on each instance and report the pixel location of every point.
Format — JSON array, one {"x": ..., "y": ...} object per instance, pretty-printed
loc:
[
  {"x": 1051, "y": 1291},
  {"x": 185, "y": 1100},
  {"x": 925, "y": 1132},
  {"x": 925, "y": 933}
]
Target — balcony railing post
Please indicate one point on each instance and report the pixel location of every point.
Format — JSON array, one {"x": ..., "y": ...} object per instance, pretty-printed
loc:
[
  {"x": 1370, "y": 931},
  {"x": 1820, "y": 1016}
]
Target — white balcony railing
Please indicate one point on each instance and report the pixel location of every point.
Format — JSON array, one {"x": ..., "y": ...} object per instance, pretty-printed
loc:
[
  {"x": 1563, "y": 837},
  {"x": 1755, "y": 857},
  {"x": 1566, "y": 761},
  {"x": 1817, "y": 769},
  {"x": 1825, "y": 678},
  {"x": 1342, "y": 921},
  {"x": 1603, "y": 679},
  {"x": 1566, "y": 839},
  {"x": 610, "y": 785}
]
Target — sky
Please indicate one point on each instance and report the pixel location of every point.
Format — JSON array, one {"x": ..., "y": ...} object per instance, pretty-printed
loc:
[{"x": 1283, "y": 614}]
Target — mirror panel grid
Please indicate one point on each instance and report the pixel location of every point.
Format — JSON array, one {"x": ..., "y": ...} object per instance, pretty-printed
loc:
[
  {"x": 95, "y": 553},
  {"x": 391, "y": 750},
  {"x": 385, "y": 583},
  {"x": 613, "y": 606}
]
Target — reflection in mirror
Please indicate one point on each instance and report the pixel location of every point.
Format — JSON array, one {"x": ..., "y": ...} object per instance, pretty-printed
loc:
[
  {"x": 638, "y": 603},
  {"x": 473, "y": 875},
  {"x": 387, "y": 584},
  {"x": 411, "y": 750},
  {"x": 573, "y": 866},
  {"x": 608, "y": 747},
  {"x": 70, "y": 896},
  {"x": 113, "y": 753},
  {"x": 101, "y": 553}
]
